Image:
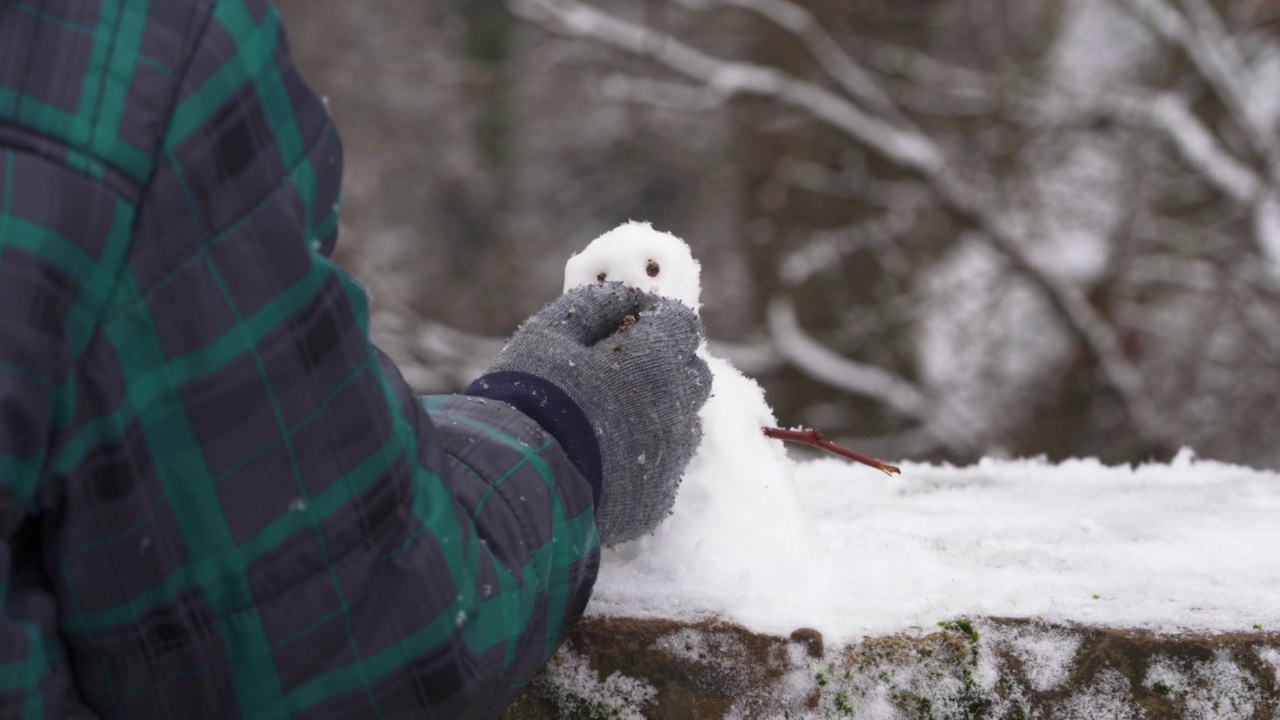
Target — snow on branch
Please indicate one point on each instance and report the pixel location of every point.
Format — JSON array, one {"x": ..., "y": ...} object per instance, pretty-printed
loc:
[
  {"x": 1224, "y": 63},
  {"x": 825, "y": 248},
  {"x": 816, "y": 177},
  {"x": 1091, "y": 328},
  {"x": 1203, "y": 37},
  {"x": 940, "y": 425},
  {"x": 1161, "y": 17},
  {"x": 833, "y": 369},
  {"x": 893, "y": 59},
  {"x": 1167, "y": 112},
  {"x": 1266, "y": 229},
  {"x": 838, "y": 64},
  {"x": 737, "y": 78},
  {"x": 1170, "y": 114},
  {"x": 664, "y": 95},
  {"x": 906, "y": 147}
]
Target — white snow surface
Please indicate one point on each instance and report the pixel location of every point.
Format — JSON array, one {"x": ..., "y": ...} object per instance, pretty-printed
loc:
[
  {"x": 776, "y": 545},
  {"x": 1186, "y": 546}
]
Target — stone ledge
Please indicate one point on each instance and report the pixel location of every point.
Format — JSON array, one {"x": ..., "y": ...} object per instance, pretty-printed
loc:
[{"x": 966, "y": 668}]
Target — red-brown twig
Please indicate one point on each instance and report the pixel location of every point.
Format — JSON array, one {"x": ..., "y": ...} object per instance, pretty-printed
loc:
[{"x": 814, "y": 438}]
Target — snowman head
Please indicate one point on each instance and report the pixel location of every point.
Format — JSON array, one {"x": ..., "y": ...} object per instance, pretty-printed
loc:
[{"x": 640, "y": 257}]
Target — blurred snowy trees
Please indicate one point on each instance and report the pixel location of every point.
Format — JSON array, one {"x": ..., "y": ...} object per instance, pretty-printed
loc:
[{"x": 935, "y": 229}]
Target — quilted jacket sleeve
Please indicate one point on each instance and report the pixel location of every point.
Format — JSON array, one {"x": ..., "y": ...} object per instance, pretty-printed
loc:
[
  {"x": 217, "y": 498},
  {"x": 62, "y": 238}
]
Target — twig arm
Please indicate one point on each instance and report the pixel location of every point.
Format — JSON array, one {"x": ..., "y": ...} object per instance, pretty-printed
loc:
[{"x": 815, "y": 438}]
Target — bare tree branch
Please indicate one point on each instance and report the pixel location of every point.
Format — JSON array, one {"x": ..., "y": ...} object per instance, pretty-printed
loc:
[
  {"x": 1170, "y": 114},
  {"x": 835, "y": 370},
  {"x": 892, "y": 59},
  {"x": 908, "y": 148},
  {"x": 1167, "y": 112},
  {"x": 736, "y": 78},
  {"x": 1266, "y": 230},
  {"x": 825, "y": 248},
  {"x": 664, "y": 95},
  {"x": 940, "y": 424},
  {"x": 1204, "y": 39},
  {"x": 838, "y": 64},
  {"x": 817, "y": 178},
  {"x": 1207, "y": 44}
]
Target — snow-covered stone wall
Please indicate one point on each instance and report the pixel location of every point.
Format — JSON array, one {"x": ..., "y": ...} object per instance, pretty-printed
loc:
[
  {"x": 964, "y": 668},
  {"x": 1007, "y": 589}
]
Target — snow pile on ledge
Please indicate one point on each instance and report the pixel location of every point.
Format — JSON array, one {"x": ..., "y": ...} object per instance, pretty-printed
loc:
[{"x": 1188, "y": 546}]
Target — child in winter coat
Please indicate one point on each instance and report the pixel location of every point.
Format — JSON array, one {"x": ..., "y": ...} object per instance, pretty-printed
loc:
[{"x": 217, "y": 499}]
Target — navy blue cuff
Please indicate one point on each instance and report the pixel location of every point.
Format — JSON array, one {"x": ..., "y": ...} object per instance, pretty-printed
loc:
[{"x": 549, "y": 406}]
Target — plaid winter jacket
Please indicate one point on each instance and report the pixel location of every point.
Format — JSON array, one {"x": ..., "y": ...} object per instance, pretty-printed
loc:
[{"x": 215, "y": 499}]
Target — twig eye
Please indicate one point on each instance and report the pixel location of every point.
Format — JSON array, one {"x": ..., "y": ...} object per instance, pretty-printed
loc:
[
  {"x": 652, "y": 269},
  {"x": 601, "y": 277}
]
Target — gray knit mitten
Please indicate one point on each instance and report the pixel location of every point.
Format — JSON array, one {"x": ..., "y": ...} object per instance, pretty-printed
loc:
[{"x": 627, "y": 361}]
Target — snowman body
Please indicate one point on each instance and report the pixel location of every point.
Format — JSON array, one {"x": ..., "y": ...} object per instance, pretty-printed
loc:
[{"x": 740, "y": 484}]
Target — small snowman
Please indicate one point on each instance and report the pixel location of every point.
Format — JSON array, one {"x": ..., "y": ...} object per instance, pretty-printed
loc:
[{"x": 737, "y": 525}]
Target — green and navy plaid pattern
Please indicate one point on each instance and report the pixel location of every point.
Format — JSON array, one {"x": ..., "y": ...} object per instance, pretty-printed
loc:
[{"x": 217, "y": 499}]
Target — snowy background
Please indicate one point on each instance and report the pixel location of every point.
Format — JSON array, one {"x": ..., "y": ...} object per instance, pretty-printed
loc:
[{"x": 936, "y": 230}]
